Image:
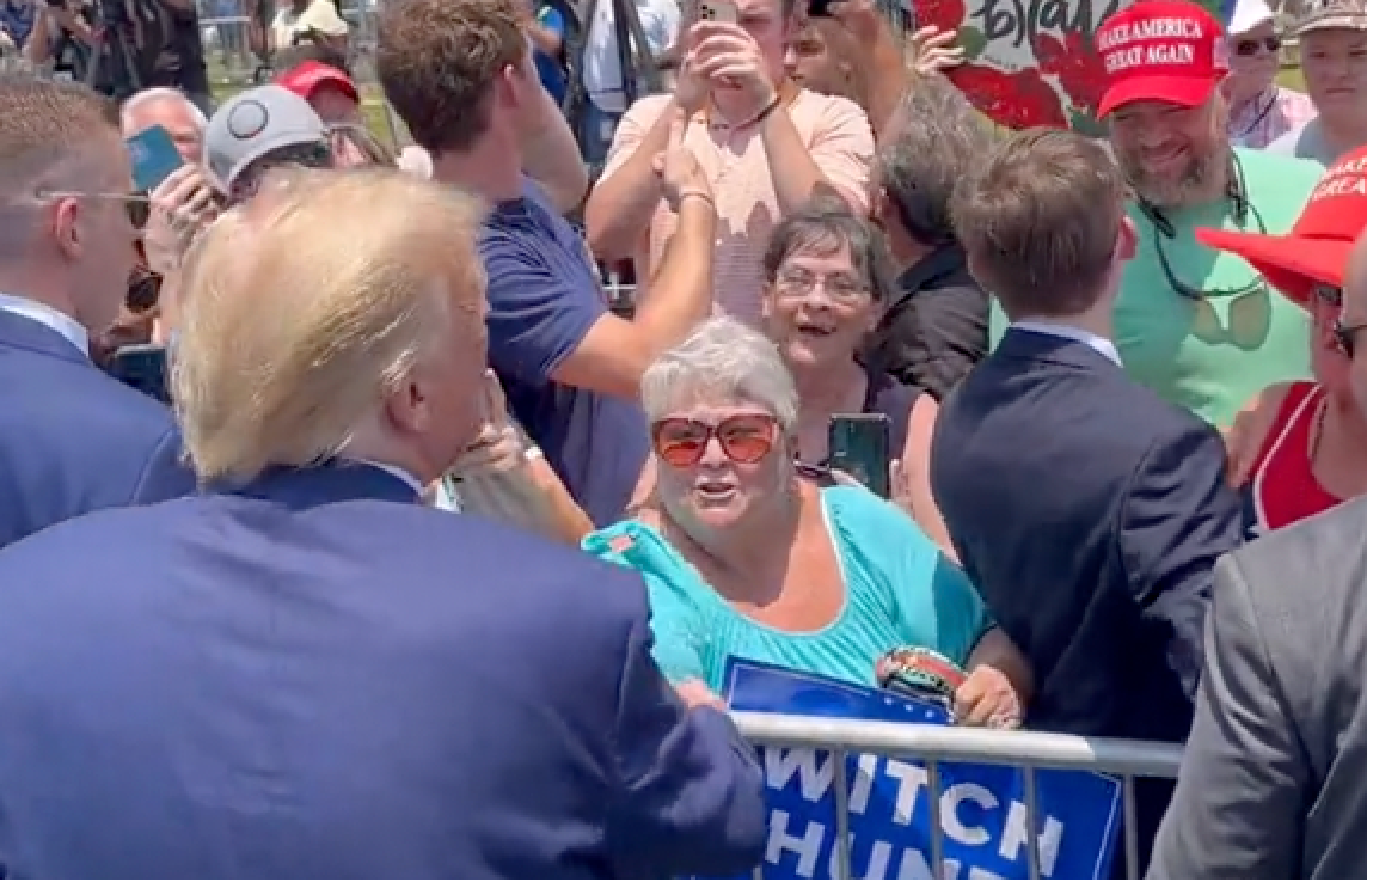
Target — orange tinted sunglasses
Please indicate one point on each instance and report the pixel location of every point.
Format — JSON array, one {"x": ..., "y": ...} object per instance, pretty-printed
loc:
[{"x": 745, "y": 439}]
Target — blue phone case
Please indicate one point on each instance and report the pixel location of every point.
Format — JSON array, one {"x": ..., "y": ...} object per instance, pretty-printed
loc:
[{"x": 152, "y": 157}]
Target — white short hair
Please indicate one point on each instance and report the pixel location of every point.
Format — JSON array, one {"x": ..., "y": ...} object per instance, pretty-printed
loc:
[
  {"x": 721, "y": 360},
  {"x": 155, "y": 95}
]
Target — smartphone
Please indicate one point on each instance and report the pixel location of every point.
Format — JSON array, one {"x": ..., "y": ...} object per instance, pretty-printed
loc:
[
  {"x": 859, "y": 445},
  {"x": 819, "y": 8},
  {"x": 152, "y": 157},
  {"x": 143, "y": 368},
  {"x": 719, "y": 10}
]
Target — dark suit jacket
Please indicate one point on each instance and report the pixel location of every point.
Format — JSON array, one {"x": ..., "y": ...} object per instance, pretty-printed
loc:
[
  {"x": 936, "y": 330},
  {"x": 317, "y": 677},
  {"x": 1273, "y": 782},
  {"x": 72, "y": 439},
  {"x": 1089, "y": 514}
]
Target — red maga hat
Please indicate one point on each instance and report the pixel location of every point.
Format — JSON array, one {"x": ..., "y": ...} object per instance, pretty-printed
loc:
[
  {"x": 307, "y": 77},
  {"x": 1316, "y": 250},
  {"x": 1161, "y": 50}
]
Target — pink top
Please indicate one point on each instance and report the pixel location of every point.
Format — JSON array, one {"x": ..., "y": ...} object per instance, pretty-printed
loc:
[
  {"x": 1269, "y": 115},
  {"x": 834, "y": 129}
]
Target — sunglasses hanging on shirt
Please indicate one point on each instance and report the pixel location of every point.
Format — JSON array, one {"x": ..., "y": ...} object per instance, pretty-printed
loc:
[{"x": 1248, "y": 314}]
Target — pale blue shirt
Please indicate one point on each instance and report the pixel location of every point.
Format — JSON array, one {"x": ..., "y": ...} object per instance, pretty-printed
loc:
[
  {"x": 1097, "y": 343},
  {"x": 63, "y": 325}
]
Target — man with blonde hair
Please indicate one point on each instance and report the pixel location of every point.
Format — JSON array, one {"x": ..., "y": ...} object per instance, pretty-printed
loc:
[
  {"x": 72, "y": 439},
  {"x": 319, "y": 676},
  {"x": 1092, "y": 540}
]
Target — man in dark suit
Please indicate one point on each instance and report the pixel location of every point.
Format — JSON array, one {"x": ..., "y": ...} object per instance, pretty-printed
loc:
[
  {"x": 302, "y": 672},
  {"x": 1273, "y": 782},
  {"x": 72, "y": 439},
  {"x": 1088, "y": 512}
]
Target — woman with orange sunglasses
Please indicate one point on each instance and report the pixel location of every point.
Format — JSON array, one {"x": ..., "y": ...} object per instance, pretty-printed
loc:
[
  {"x": 745, "y": 557},
  {"x": 1299, "y": 448}
]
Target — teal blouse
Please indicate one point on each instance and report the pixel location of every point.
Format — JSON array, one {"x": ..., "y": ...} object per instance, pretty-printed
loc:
[{"x": 900, "y": 590}]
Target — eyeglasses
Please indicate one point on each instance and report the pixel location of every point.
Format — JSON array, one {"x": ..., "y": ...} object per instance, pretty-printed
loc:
[
  {"x": 745, "y": 439},
  {"x": 1347, "y": 335},
  {"x": 1247, "y": 48},
  {"x": 136, "y": 204},
  {"x": 839, "y": 286}
]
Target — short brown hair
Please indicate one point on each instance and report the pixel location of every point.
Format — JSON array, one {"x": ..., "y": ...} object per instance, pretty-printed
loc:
[
  {"x": 1039, "y": 218},
  {"x": 43, "y": 121},
  {"x": 438, "y": 61}
]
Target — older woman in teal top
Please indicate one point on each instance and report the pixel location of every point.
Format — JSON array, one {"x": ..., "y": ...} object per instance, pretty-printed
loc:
[{"x": 744, "y": 557}]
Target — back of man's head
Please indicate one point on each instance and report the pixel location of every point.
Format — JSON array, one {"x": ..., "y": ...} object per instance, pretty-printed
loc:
[
  {"x": 65, "y": 236},
  {"x": 439, "y": 62},
  {"x": 311, "y": 308},
  {"x": 923, "y": 150},
  {"x": 1043, "y": 223}
]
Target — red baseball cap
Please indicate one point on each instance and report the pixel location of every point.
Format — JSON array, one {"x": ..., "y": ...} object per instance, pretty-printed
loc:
[
  {"x": 1161, "y": 50},
  {"x": 307, "y": 77},
  {"x": 1316, "y": 250}
]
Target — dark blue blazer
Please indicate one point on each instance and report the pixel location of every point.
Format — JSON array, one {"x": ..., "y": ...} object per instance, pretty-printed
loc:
[
  {"x": 72, "y": 439},
  {"x": 1089, "y": 514},
  {"x": 317, "y": 678}
]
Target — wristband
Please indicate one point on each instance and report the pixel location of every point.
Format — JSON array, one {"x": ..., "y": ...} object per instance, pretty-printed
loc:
[
  {"x": 696, "y": 194},
  {"x": 764, "y": 112}
]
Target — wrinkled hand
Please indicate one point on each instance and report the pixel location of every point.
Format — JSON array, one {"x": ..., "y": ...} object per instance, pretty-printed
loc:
[
  {"x": 728, "y": 57},
  {"x": 933, "y": 50},
  {"x": 179, "y": 209},
  {"x": 988, "y": 699},
  {"x": 677, "y": 168},
  {"x": 498, "y": 448},
  {"x": 694, "y": 693}
]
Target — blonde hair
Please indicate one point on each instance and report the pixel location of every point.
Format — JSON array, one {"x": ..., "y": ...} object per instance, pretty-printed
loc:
[{"x": 302, "y": 308}]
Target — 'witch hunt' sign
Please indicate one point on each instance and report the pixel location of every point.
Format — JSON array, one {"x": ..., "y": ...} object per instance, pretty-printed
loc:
[{"x": 982, "y": 808}]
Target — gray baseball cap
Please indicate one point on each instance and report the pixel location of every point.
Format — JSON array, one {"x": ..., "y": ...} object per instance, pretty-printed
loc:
[
  {"x": 255, "y": 123},
  {"x": 1320, "y": 15}
]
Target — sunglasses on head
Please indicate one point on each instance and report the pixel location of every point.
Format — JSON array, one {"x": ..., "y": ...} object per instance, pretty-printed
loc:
[
  {"x": 745, "y": 439},
  {"x": 1247, "y": 48}
]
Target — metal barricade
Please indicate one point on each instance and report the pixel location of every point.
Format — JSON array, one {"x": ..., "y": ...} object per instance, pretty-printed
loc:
[{"x": 930, "y": 744}]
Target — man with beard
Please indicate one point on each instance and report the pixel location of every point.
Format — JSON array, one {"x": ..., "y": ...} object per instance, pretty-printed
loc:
[{"x": 1202, "y": 329}]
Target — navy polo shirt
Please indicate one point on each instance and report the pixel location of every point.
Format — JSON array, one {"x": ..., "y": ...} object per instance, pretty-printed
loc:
[{"x": 543, "y": 299}]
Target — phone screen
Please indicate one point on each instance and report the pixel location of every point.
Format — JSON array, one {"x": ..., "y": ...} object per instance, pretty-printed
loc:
[
  {"x": 143, "y": 368},
  {"x": 859, "y": 446},
  {"x": 152, "y": 157}
]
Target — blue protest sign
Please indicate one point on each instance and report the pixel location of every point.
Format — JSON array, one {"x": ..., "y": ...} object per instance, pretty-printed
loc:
[{"x": 982, "y": 808}]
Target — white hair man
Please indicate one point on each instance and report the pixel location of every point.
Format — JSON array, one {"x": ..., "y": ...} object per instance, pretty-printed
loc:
[
  {"x": 72, "y": 439},
  {"x": 326, "y": 675},
  {"x": 168, "y": 107},
  {"x": 1200, "y": 328}
]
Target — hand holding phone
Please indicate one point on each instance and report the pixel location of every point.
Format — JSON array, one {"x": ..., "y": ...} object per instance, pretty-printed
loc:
[
  {"x": 859, "y": 445},
  {"x": 152, "y": 157},
  {"x": 719, "y": 10}
]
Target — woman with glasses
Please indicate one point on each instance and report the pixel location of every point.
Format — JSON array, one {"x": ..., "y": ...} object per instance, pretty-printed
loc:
[
  {"x": 829, "y": 282},
  {"x": 1299, "y": 448},
  {"x": 1259, "y": 110},
  {"x": 744, "y": 557}
]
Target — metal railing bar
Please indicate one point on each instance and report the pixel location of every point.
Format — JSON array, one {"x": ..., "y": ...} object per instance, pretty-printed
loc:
[
  {"x": 932, "y": 784},
  {"x": 1128, "y": 794},
  {"x": 841, "y": 844},
  {"x": 1032, "y": 823}
]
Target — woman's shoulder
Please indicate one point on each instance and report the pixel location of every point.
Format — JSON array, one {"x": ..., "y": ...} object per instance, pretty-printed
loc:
[
  {"x": 636, "y": 545},
  {"x": 1256, "y": 423},
  {"x": 871, "y": 522}
]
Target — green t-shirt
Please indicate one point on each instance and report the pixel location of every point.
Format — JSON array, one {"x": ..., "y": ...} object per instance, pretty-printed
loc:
[{"x": 1211, "y": 355}]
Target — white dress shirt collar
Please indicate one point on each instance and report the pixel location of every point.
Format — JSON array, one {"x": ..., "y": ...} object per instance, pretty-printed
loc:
[
  {"x": 394, "y": 470},
  {"x": 1102, "y": 346},
  {"x": 64, "y": 325}
]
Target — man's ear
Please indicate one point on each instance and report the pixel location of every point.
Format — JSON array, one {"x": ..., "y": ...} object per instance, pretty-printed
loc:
[
  {"x": 1127, "y": 239},
  {"x": 65, "y": 227}
]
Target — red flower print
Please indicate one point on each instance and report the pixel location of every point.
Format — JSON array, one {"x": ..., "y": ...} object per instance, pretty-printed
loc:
[
  {"x": 947, "y": 15},
  {"x": 1016, "y": 100},
  {"x": 1075, "y": 63}
]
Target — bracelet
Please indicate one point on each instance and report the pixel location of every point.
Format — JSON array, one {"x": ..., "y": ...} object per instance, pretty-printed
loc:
[{"x": 696, "y": 194}]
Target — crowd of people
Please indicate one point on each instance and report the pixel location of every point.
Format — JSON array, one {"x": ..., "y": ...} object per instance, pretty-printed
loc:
[{"x": 417, "y": 558}]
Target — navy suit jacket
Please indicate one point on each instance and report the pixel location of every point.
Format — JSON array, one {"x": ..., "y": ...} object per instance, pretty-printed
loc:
[
  {"x": 316, "y": 678},
  {"x": 72, "y": 439},
  {"x": 1089, "y": 514}
]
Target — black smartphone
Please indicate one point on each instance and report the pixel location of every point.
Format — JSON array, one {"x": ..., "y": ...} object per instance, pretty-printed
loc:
[
  {"x": 819, "y": 8},
  {"x": 143, "y": 368},
  {"x": 859, "y": 445}
]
